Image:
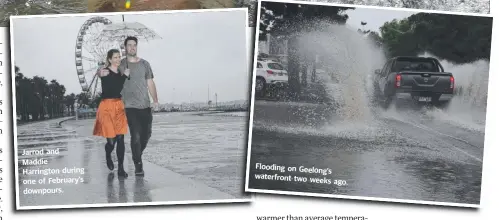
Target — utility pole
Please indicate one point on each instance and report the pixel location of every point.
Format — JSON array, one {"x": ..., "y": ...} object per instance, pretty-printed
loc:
[{"x": 173, "y": 96}]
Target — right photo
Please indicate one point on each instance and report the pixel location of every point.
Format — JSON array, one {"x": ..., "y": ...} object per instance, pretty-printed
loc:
[{"x": 369, "y": 103}]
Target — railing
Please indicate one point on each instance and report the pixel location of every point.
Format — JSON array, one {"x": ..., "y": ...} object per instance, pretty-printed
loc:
[
  {"x": 88, "y": 113},
  {"x": 82, "y": 114}
]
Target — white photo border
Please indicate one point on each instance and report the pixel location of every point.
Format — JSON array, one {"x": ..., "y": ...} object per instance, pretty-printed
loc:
[
  {"x": 321, "y": 195},
  {"x": 100, "y": 205}
]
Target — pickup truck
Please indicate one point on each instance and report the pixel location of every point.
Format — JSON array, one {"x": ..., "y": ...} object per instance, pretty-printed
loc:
[{"x": 421, "y": 79}]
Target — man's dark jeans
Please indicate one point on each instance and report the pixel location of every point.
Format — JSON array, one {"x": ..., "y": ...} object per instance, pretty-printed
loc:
[{"x": 140, "y": 125}]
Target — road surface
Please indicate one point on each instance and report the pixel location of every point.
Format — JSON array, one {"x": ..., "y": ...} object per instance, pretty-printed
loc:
[{"x": 411, "y": 154}]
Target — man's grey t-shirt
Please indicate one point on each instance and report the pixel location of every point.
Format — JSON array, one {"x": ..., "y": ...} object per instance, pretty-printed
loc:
[{"x": 135, "y": 93}]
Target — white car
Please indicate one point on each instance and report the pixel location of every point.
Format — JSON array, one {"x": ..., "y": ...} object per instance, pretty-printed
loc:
[{"x": 270, "y": 74}]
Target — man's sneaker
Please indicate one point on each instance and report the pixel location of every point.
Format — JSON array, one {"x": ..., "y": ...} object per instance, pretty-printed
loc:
[
  {"x": 139, "y": 171},
  {"x": 121, "y": 171}
]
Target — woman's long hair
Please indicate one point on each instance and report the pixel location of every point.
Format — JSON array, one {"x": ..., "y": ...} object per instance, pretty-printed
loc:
[{"x": 110, "y": 54}]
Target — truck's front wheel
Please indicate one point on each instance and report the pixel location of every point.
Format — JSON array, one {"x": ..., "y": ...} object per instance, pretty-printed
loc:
[
  {"x": 260, "y": 86},
  {"x": 385, "y": 103}
]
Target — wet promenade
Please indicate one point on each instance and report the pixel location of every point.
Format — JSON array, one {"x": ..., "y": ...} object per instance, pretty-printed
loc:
[{"x": 78, "y": 174}]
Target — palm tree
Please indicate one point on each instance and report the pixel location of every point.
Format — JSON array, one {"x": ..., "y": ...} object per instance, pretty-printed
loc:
[
  {"x": 69, "y": 102},
  {"x": 55, "y": 105},
  {"x": 20, "y": 100},
  {"x": 35, "y": 98},
  {"x": 24, "y": 96},
  {"x": 83, "y": 99}
]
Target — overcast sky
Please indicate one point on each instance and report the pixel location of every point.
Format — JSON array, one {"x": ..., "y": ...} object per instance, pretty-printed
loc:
[
  {"x": 375, "y": 18},
  {"x": 197, "y": 50}
]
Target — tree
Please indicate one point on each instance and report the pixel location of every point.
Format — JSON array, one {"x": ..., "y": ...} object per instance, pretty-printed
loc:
[
  {"x": 56, "y": 99},
  {"x": 94, "y": 103},
  {"x": 69, "y": 102},
  {"x": 41, "y": 92},
  {"x": 24, "y": 92},
  {"x": 468, "y": 40},
  {"x": 376, "y": 38},
  {"x": 83, "y": 99},
  {"x": 35, "y": 98},
  {"x": 286, "y": 21}
]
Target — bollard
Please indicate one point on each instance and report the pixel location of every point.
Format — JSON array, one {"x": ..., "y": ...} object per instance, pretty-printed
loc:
[{"x": 76, "y": 110}]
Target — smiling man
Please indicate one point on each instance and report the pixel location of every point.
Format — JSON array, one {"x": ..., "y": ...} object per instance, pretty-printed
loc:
[{"x": 135, "y": 93}]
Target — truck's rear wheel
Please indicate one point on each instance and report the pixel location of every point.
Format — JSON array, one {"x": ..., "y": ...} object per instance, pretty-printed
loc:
[
  {"x": 435, "y": 101},
  {"x": 444, "y": 104}
]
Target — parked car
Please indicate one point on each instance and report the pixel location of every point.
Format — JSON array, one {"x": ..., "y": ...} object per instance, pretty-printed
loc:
[{"x": 270, "y": 75}]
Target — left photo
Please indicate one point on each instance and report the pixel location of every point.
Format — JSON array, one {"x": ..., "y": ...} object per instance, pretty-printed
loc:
[{"x": 130, "y": 109}]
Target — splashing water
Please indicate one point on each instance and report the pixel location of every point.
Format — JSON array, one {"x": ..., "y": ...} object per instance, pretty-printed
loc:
[
  {"x": 346, "y": 65},
  {"x": 346, "y": 62},
  {"x": 349, "y": 58},
  {"x": 468, "y": 107}
]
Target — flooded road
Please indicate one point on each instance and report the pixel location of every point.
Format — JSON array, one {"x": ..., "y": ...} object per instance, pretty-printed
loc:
[
  {"x": 409, "y": 151},
  {"x": 400, "y": 154},
  {"x": 38, "y": 7}
]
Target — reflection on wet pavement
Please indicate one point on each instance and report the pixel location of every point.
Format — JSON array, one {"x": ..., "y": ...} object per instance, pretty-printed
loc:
[
  {"x": 119, "y": 194},
  {"x": 210, "y": 148},
  {"x": 194, "y": 176}
]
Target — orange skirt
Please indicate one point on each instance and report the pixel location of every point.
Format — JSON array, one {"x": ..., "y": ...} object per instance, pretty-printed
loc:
[{"x": 111, "y": 119}]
